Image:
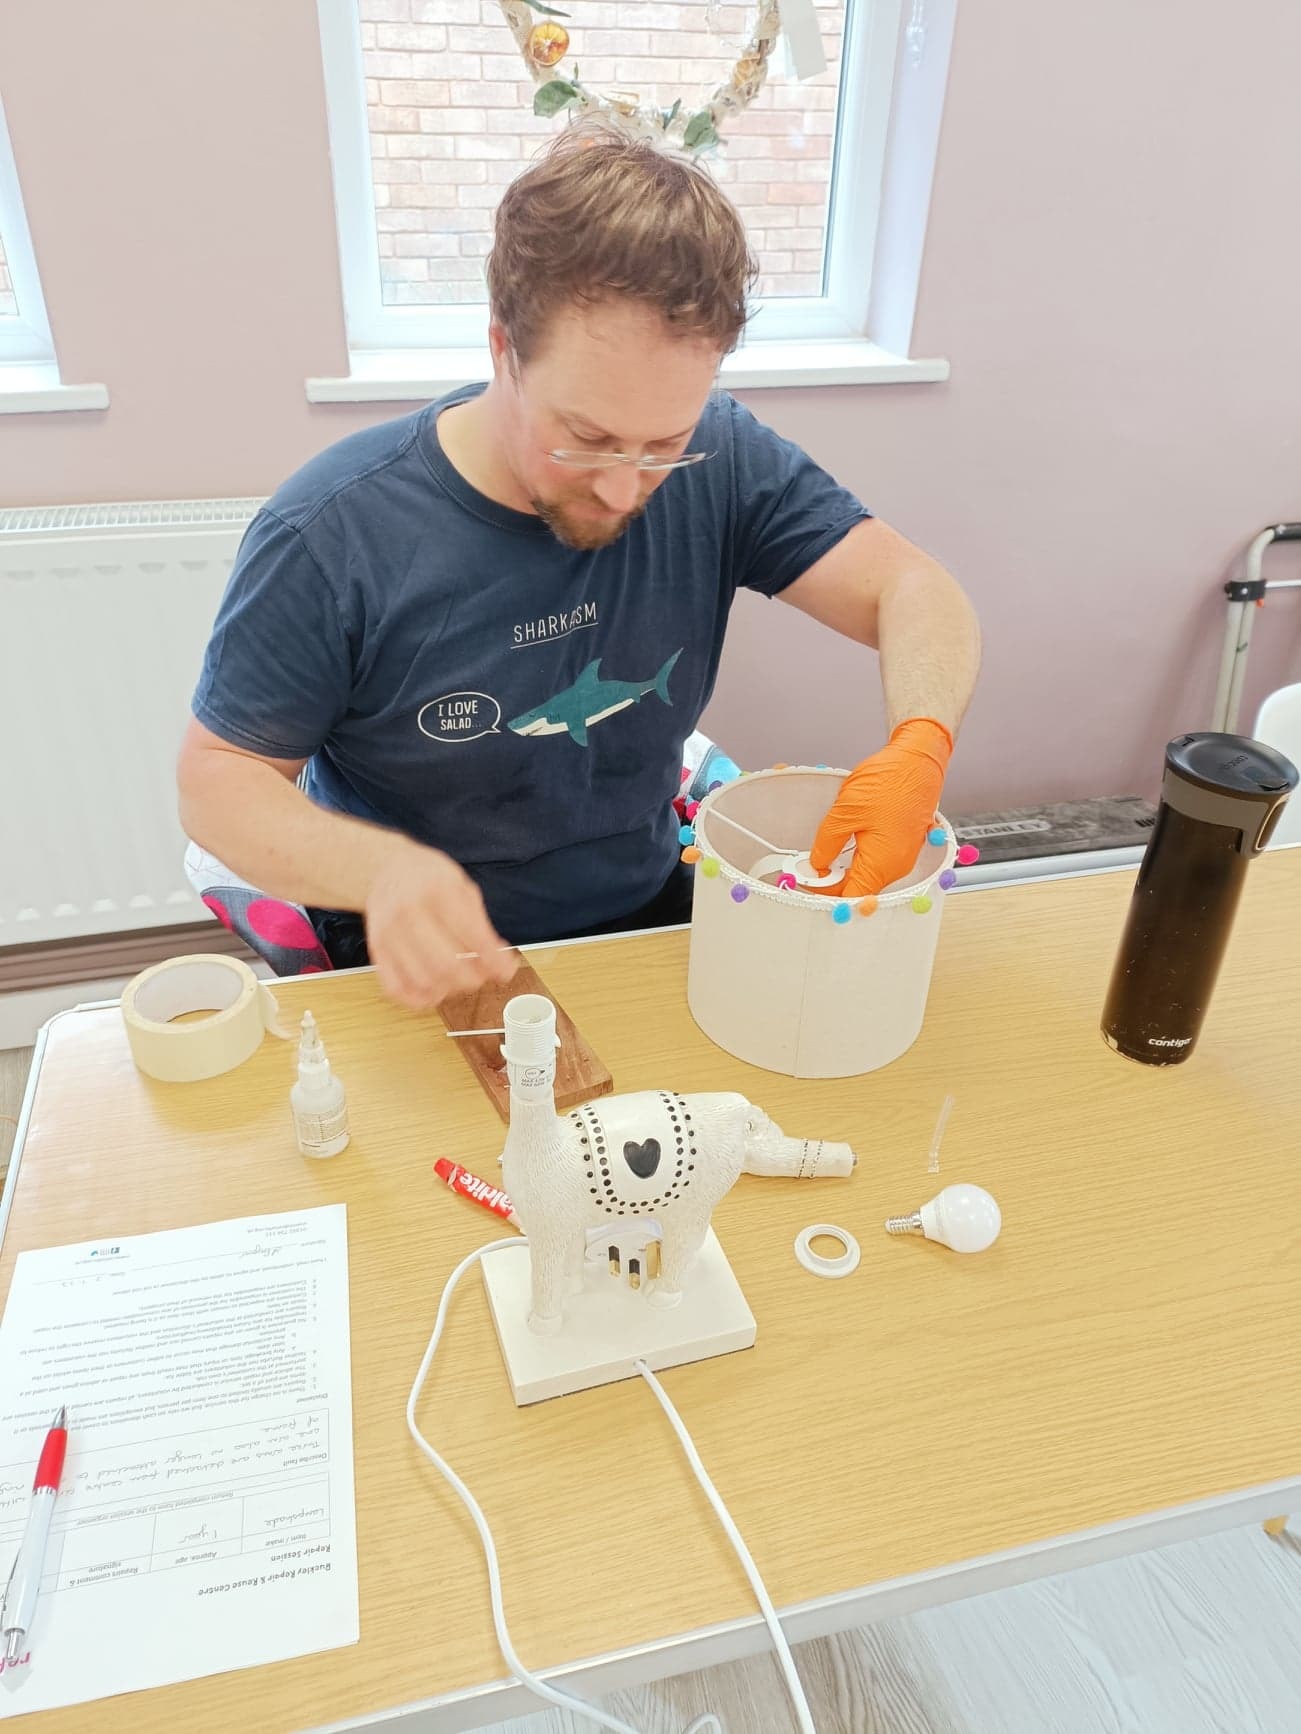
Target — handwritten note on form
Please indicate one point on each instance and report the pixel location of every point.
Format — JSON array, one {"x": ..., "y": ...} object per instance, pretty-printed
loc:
[{"x": 206, "y": 1519}]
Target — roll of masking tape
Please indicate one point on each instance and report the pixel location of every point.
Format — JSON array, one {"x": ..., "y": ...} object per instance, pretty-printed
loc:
[{"x": 242, "y": 1006}]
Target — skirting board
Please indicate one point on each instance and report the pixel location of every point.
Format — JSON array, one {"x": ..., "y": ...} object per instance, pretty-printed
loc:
[
  {"x": 22, "y": 1014},
  {"x": 610, "y": 1325},
  {"x": 106, "y": 956},
  {"x": 39, "y": 981}
]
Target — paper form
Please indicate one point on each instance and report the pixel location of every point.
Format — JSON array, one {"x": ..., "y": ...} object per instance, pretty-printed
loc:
[{"x": 206, "y": 1517}]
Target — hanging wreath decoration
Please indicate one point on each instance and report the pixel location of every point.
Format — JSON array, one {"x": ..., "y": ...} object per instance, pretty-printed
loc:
[{"x": 544, "y": 42}]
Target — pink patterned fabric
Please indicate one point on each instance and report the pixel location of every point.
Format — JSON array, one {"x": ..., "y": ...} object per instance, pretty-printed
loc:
[
  {"x": 280, "y": 933},
  {"x": 219, "y": 909},
  {"x": 281, "y": 924}
]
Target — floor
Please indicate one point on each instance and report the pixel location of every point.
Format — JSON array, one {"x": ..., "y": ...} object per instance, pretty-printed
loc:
[{"x": 1202, "y": 1638}]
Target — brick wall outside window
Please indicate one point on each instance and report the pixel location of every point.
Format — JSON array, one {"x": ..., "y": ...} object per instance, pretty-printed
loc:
[{"x": 451, "y": 122}]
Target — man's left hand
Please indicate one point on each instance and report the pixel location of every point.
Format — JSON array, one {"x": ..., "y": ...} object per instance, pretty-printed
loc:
[{"x": 887, "y": 804}]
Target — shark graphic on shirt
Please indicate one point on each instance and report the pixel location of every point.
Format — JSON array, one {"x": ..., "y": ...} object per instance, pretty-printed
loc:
[{"x": 590, "y": 700}]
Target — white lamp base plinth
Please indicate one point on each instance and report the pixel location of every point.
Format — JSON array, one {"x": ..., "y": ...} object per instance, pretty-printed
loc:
[{"x": 610, "y": 1325}]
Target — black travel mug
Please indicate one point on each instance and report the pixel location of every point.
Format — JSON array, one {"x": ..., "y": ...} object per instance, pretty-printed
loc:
[{"x": 1221, "y": 798}]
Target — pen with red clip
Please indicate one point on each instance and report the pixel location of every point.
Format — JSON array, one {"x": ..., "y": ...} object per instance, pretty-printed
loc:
[{"x": 25, "y": 1579}]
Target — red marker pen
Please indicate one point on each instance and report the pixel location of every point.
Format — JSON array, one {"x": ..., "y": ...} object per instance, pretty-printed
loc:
[
  {"x": 25, "y": 1578},
  {"x": 471, "y": 1186}
]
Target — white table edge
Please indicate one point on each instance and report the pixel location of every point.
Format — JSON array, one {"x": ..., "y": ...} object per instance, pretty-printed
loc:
[{"x": 711, "y": 1646}]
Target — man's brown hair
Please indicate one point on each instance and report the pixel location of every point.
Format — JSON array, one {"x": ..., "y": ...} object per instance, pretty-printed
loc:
[{"x": 601, "y": 217}]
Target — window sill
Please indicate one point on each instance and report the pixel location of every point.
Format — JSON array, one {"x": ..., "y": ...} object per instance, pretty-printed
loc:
[
  {"x": 37, "y": 390},
  {"x": 416, "y": 375}
]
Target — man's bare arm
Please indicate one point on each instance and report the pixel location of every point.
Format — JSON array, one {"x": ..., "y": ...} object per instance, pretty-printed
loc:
[
  {"x": 877, "y": 588},
  {"x": 422, "y": 910}
]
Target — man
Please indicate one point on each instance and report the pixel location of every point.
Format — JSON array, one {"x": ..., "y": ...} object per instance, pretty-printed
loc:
[{"x": 487, "y": 628}]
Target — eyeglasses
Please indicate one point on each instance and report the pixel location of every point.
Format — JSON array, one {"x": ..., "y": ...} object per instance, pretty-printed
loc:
[{"x": 612, "y": 460}]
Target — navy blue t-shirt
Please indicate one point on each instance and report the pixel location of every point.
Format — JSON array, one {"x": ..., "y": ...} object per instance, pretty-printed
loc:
[{"x": 452, "y": 670}]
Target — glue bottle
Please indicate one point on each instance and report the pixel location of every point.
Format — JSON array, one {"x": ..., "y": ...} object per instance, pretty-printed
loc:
[{"x": 317, "y": 1099}]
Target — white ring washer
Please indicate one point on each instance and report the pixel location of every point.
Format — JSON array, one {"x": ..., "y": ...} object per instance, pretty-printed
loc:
[
  {"x": 814, "y": 1261},
  {"x": 805, "y": 875}
]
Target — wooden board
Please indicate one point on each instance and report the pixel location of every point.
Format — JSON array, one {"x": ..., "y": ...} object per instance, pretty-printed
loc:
[{"x": 580, "y": 1073}]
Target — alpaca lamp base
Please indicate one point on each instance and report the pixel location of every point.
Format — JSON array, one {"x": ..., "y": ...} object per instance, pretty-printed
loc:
[{"x": 608, "y": 1325}]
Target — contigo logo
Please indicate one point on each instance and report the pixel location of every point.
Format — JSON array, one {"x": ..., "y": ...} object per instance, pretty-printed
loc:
[{"x": 1168, "y": 1041}]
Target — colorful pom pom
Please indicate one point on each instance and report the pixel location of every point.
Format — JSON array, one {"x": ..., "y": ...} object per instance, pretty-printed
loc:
[
  {"x": 948, "y": 879},
  {"x": 691, "y": 855},
  {"x": 709, "y": 867},
  {"x": 693, "y": 807},
  {"x": 716, "y": 784},
  {"x": 938, "y": 835},
  {"x": 841, "y": 913},
  {"x": 922, "y": 904},
  {"x": 786, "y": 882},
  {"x": 868, "y": 905},
  {"x": 968, "y": 855},
  {"x": 740, "y": 893},
  {"x": 686, "y": 834}
]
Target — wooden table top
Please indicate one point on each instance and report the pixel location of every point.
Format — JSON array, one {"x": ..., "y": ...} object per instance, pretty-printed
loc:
[{"x": 1127, "y": 1345}]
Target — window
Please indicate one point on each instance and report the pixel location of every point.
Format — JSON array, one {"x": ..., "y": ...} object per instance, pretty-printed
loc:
[
  {"x": 24, "y": 333},
  {"x": 29, "y": 374},
  {"x": 449, "y": 126},
  {"x": 8, "y": 300},
  {"x": 431, "y": 116}
]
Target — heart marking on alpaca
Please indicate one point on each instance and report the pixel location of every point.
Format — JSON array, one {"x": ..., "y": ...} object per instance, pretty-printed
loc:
[{"x": 643, "y": 1159}]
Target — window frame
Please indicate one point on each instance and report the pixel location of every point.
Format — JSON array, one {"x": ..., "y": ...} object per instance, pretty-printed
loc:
[
  {"x": 445, "y": 335},
  {"x": 25, "y": 339}
]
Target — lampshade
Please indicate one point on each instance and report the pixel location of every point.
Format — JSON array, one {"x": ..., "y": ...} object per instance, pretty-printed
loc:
[{"x": 810, "y": 985}]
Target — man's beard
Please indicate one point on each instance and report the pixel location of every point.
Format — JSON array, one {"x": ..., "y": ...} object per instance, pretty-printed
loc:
[{"x": 582, "y": 534}]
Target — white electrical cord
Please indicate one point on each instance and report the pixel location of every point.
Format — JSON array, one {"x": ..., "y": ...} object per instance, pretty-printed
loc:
[
  {"x": 803, "y": 1714},
  {"x": 707, "y": 1724}
]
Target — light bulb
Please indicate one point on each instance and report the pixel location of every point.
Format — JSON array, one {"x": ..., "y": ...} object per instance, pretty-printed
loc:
[{"x": 965, "y": 1218}]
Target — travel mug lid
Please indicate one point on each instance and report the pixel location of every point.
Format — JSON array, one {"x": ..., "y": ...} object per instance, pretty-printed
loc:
[{"x": 1229, "y": 780}]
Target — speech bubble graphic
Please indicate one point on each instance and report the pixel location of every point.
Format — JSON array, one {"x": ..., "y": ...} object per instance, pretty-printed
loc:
[{"x": 460, "y": 716}]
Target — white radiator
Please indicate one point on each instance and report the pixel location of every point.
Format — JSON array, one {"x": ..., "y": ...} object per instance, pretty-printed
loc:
[{"x": 104, "y": 613}]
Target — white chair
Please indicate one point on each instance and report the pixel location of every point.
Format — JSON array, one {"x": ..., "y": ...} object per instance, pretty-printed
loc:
[{"x": 1279, "y": 726}]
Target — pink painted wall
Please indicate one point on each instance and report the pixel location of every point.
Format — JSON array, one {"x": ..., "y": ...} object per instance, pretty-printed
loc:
[{"x": 1111, "y": 269}]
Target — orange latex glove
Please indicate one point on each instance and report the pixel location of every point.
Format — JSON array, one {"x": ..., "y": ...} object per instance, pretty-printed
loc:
[{"x": 887, "y": 804}]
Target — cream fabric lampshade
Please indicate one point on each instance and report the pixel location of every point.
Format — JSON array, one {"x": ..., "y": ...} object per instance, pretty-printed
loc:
[{"x": 792, "y": 981}]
